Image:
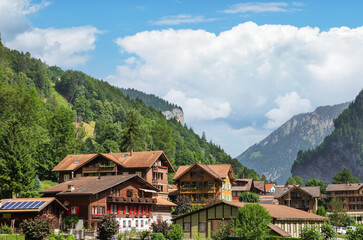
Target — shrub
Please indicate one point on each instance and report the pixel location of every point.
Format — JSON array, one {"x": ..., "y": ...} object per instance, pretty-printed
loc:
[
  {"x": 249, "y": 197},
  {"x": 176, "y": 232},
  {"x": 70, "y": 221},
  {"x": 71, "y": 237},
  {"x": 157, "y": 236},
  {"x": 144, "y": 234},
  {"x": 37, "y": 228},
  {"x": 5, "y": 229},
  {"x": 52, "y": 238},
  {"x": 160, "y": 227},
  {"x": 357, "y": 234},
  {"x": 222, "y": 233},
  {"x": 107, "y": 228},
  {"x": 327, "y": 231},
  {"x": 310, "y": 233}
]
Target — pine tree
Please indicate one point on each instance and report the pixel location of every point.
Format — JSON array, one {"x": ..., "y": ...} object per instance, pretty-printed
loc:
[
  {"x": 132, "y": 136},
  {"x": 37, "y": 184}
]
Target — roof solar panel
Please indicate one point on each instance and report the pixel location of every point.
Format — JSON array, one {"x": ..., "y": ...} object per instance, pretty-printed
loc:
[
  {"x": 15, "y": 205},
  {"x": 5, "y": 205},
  {"x": 32, "y": 205},
  {"x": 39, "y": 204},
  {"x": 10, "y": 205},
  {"x": 20, "y": 206},
  {"x": 25, "y": 206}
]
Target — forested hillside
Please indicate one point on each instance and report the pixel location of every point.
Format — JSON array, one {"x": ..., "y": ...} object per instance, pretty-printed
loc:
[
  {"x": 43, "y": 111},
  {"x": 149, "y": 99},
  {"x": 343, "y": 148}
]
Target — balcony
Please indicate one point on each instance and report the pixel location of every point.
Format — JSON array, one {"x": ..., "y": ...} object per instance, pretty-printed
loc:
[
  {"x": 99, "y": 169},
  {"x": 345, "y": 195},
  {"x": 161, "y": 169},
  {"x": 200, "y": 190},
  {"x": 97, "y": 216},
  {"x": 112, "y": 199}
]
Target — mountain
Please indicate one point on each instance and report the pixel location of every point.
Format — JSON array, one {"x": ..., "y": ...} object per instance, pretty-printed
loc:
[
  {"x": 275, "y": 154},
  {"x": 169, "y": 110},
  {"x": 47, "y": 113},
  {"x": 343, "y": 148}
]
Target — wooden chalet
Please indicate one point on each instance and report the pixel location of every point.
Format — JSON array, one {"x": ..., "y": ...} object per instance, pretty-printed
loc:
[{"x": 303, "y": 198}]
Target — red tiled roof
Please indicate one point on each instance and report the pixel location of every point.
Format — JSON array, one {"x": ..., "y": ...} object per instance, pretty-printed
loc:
[
  {"x": 218, "y": 171},
  {"x": 268, "y": 186},
  {"x": 163, "y": 202}
]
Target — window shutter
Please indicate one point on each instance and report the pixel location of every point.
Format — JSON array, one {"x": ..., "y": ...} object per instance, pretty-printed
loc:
[
  {"x": 149, "y": 210},
  {"x": 77, "y": 210},
  {"x": 118, "y": 209},
  {"x": 110, "y": 208},
  {"x": 124, "y": 209},
  {"x": 69, "y": 210}
]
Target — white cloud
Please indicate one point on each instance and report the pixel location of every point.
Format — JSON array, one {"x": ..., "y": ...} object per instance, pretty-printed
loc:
[
  {"x": 259, "y": 7},
  {"x": 288, "y": 105},
  {"x": 67, "y": 47},
  {"x": 248, "y": 66},
  {"x": 196, "y": 109},
  {"x": 181, "y": 18}
]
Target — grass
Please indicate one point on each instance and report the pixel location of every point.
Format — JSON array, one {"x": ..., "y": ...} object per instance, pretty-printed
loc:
[
  {"x": 45, "y": 185},
  {"x": 255, "y": 155},
  {"x": 88, "y": 127},
  {"x": 12, "y": 237}
]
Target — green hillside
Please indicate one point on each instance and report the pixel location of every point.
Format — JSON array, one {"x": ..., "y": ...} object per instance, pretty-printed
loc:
[
  {"x": 343, "y": 148},
  {"x": 39, "y": 106}
]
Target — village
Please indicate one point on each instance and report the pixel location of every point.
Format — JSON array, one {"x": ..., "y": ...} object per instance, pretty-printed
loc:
[{"x": 133, "y": 188}]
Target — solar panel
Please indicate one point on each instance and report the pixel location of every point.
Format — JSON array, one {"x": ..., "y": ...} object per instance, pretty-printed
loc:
[
  {"x": 20, "y": 206},
  {"x": 15, "y": 205},
  {"x": 10, "y": 205},
  {"x": 32, "y": 205},
  {"x": 5, "y": 205},
  {"x": 39, "y": 204},
  {"x": 27, "y": 204}
]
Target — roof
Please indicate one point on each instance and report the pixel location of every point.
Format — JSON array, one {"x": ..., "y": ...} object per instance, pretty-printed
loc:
[
  {"x": 277, "y": 212},
  {"x": 269, "y": 186},
  {"x": 267, "y": 199},
  {"x": 279, "y": 231},
  {"x": 93, "y": 185},
  {"x": 312, "y": 191},
  {"x": 164, "y": 202},
  {"x": 136, "y": 160},
  {"x": 218, "y": 171},
  {"x": 259, "y": 185},
  {"x": 48, "y": 200},
  {"x": 344, "y": 187},
  {"x": 246, "y": 187}
]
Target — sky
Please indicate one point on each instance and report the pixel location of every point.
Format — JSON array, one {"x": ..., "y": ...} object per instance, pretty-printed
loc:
[{"x": 239, "y": 69}]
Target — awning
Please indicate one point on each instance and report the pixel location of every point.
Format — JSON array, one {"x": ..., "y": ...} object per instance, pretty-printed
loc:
[{"x": 147, "y": 190}]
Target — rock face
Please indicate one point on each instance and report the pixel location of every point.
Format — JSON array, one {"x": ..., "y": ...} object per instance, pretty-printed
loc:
[
  {"x": 343, "y": 148},
  {"x": 175, "y": 113},
  {"x": 275, "y": 155}
]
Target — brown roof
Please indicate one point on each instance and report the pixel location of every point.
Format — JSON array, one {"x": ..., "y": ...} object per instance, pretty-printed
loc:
[
  {"x": 344, "y": 187},
  {"x": 269, "y": 186},
  {"x": 164, "y": 202},
  {"x": 218, "y": 171},
  {"x": 277, "y": 212},
  {"x": 246, "y": 187},
  {"x": 48, "y": 200},
  {"x": 93, "y": 185},
  {"x": 136, "y": 160},
  {"x": 279, "y": 231},
  {"x": 312, "y": 191},
  {"x": 260, "y": 185}
]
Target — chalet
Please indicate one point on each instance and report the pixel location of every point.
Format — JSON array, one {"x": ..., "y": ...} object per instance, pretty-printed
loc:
[
  {"x": 14, "y": 211},
  {"x": 128, "y": 197},
  {"x": 351, "y": 195},
  {"x": 270, "y": 188},
  {"x": 303, "y": 198},
  {"x": 247, "y": 185},
  {"x": 201, "y": 182},
  {"x": 286, "y": 221},
  {"x": 153, "y": 166}
]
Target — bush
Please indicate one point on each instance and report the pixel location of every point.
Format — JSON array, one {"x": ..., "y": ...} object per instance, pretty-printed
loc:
[
  {"x": 107, "y": 228},
  {"x": 70, "y": 221},
  {"x": 37, "y": 228},
  {"x": 176, "y": 232},
  {"x": 5, "y": 229},
  {"x": 160, "y": 227},
  {"x": 249, "y": 197},
  {"x": 52, "y": 238},
  {"x": 157, "y": 236},
  {"x": 222, "y": 233},
  {"x": 71, "y": 237},
  {"x": 144, "y": 234},
  {"x": 310, "y": 233},
  {"x": 327, "y": 231},
  {"x": 357, "y": 234}
]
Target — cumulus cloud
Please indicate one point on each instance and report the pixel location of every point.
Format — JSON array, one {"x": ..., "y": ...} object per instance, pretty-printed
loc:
[
  {"x": 247, "y": 66},
  {"x": 288, "y": 105},
  {"x": 259, "y": 7},
  {"x": 65, "y": 47},
  {"x": 181, "y": 18},
  {"x": 197, "y": 109}
]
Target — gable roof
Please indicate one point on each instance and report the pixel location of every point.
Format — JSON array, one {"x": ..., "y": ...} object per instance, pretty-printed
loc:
[
  {"x": 93, "y": 185},
  {"x": 164, "y": 202},
  {"x": 246, "y": 187},
  {"x": 311, "y": 191},
  {"x": 136, "y": 160},
  {"x": 277, "y": 212},
  {"x": 218, "y": 171},
  {"x": 48, "y": 200},
  {"x": 259, "y": 185},
  {"x": 269, "y": 186},
  {"x": 344, "y": 187}
]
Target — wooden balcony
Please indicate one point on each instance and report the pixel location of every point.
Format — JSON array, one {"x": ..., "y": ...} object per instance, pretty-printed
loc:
[
  {"x": 202, "y": 190},
  {"x": 99, "y": 169},
  {"x": 97, "y": 216},
  {"x": 160, "y": 169},
  {"x": 112, "y": 199},
  {"x": 345, "y": 195}
]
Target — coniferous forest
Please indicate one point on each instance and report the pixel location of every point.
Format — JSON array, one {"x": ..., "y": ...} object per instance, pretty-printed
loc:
[{"x": 47, "y": 112}]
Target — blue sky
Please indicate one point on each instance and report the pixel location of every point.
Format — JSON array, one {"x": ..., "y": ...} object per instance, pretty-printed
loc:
[{"x": 239, "y": 69}]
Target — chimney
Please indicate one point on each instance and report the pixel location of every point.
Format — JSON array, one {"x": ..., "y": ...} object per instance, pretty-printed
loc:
[
  {"x": 70, "y": 188},
  {"x": 131, "y": 151}
]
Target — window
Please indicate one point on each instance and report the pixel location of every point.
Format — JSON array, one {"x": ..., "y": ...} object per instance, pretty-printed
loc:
[
  {"x": 294, "y": 227},
  {"x": 94, "y": 210},
  {"x": 124, "y": 223},
  {"x": 146, "y": 223},
  {"x": 193, "y": 174},
  {"x": 234, "y": 194},
  {"x": 129, "y": 223},
  {"x": 129, "y": 192},
  {"x": 199, "y": 185},
  {"x": 186, "y": 227},
  {"x": 138, "y": 173},
  {"x": 66, "y": 177},
  {"x": 210, "y": 185},
  {"x": 127, "y": 210},
  {"x": 142, "y": 223},
  {"x": 102, "y": 210},
  {"x": 136, "y": 223},
  {"x": 202, "y": 227},
  {"x": 125, "y": 173}
]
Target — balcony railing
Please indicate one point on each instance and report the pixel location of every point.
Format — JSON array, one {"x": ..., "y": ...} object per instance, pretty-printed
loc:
[
  {"x": 131, "y": 200},
  {"x": 201, "y": 190},
  {"x": 346, "y": 195},
  {"x": 99, "y": 169},
  {"x": 97, "y": 216}
]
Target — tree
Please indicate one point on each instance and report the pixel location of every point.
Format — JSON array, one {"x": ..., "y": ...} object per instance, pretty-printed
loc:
[
  {"x": 184, "y": 205},
  {"x": 338, "y": 215},
  {"x": 160, "y": 227},
  {"x": 107, "y": 228},
  {"x": 157, "y": 236},
  {"x": 321, "y": 211},
  {"x": 132, "y": 136},
  {"x": 252, "y": 222},
  {"x": 163, "y": 137},
  {"x": 222, "y": 233},
  {"x": 327, "y": 231},
  {"x": 37, "y": 229},
  {"x": 249, "y": 197},
  {"x": 345, "y": 176},
  {"x": 176, "y": 232},
  {"x": 295, "y": 180},
  {"x": 316, "y": 183},
  {"x": 310, "y": 233},
  {"x": 357, "y": 234},
  {"x": 349, "y": 221},
  {"x": 37, "y": 184}
]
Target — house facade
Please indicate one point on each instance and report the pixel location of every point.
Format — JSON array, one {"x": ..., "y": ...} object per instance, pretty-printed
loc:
[
  {"x": 351, "y": 195},
  {"x": 303, "y": 198},
  {"x": 129, "y": 197},
  {"x": 247, "y": 185},
  {"x": 200, "y": 182},
  {"x": 286, "y": 221},
  {"x": 153, "y": 166}
]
